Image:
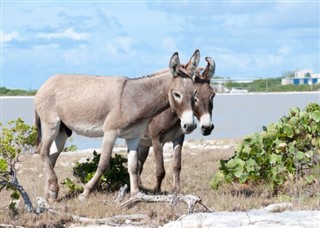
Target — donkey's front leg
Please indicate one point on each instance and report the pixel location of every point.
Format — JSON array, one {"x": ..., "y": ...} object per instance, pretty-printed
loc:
[
  {"x": 133, "y": 145},
  {"x": 176, "y": 164},
  {"x": 109, "y": 139}
]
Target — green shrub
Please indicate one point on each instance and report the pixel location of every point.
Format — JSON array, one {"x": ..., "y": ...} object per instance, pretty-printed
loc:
[
  {"x": 16, "y": 138},
  {"x": 115, "y": 176},
  {"x": 286, "y": 150}
]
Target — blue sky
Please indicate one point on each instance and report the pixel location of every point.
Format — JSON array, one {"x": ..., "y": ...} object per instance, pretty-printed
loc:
[{"x": 247, "y": 39}]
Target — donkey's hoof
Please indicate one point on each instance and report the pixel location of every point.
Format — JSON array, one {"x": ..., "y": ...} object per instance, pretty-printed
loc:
[
  {"x": 52, "y": 195},
  {"x": 83, "y": 197}
]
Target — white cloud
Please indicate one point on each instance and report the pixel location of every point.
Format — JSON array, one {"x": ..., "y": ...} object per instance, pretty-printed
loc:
[
  {"x": 77, "y": 56},
  {"x": 8, "y": 37},
  {"x": 68, "y": 34},
  {"x": 121, "y": 44},
  {"x": 169, "y": 44}
]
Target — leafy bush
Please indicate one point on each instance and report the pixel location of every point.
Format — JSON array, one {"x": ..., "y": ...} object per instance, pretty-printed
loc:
[
  {"x": 16, "y": 138},
  {"x": 115, "y": 176},
  {"x": 283, "y": 151}
]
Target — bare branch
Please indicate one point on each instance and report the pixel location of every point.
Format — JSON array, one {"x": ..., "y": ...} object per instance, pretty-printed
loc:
[{"x": 190, "y": 200}]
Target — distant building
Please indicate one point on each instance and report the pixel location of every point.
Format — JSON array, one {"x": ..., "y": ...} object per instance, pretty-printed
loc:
[{"x": 302, "y": 77}]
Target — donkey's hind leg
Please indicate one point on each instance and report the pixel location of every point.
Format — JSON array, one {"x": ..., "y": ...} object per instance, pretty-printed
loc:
[
  {"x": 158, "y": 155},
  {"x": 143, "y": 153},
  {"x": 176, "y": 164},
  {"x": 50, "y": 132},
  {"x": 59, "y": 143}
]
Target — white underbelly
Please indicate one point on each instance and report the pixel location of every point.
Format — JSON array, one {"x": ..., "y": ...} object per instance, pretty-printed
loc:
[{"x": 89, "y": 130}]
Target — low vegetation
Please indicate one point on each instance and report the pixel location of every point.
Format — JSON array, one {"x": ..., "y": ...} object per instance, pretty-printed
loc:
[
  {"x": 285, "y": 151},
  {"x": 16, "y": 92},
  {"x": 112, "y": 180},
  {"x": 270, "y": 85}
]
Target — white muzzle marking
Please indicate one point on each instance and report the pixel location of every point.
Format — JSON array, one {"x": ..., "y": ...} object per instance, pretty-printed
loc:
[
  {"x": 187, "y": 122},
  {"x": 205, "y": 120}
]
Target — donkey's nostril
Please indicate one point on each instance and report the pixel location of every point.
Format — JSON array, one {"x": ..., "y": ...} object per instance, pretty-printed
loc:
[{"x": 185, "y": 126}]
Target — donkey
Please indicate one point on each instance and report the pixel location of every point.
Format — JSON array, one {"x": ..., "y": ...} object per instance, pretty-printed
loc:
[
  {"x": 165, "y": 127},
  {"x": 109, "y": 107}
]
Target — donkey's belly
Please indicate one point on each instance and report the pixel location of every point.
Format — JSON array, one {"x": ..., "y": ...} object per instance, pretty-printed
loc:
[{"x": 89, "y": 130}]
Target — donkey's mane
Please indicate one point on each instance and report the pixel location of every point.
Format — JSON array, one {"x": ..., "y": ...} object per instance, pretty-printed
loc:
[{"x": 159, "y": 73}]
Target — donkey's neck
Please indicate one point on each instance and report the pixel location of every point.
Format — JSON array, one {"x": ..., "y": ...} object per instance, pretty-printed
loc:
[{"x": 147, "y": 96}]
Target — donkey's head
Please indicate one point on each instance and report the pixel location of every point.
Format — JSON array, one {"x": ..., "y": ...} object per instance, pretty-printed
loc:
[
  {"x": 182, "y": 92},
  {"x": 204, "y": 97}
]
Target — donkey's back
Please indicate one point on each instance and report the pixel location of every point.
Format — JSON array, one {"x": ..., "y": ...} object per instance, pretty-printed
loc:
[{"x": 81, "y": 102}]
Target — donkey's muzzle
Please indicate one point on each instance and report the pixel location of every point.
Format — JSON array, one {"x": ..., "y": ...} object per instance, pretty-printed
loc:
[
  {"x": 206, "y": 130},
  {"x": 187, "y": 122},
  {"x": 188, "y": 128}
]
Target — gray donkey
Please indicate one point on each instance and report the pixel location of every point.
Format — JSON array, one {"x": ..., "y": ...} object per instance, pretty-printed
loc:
[
  {"x": 109, "y": 107},
  {"x": 165, "y": 127}
]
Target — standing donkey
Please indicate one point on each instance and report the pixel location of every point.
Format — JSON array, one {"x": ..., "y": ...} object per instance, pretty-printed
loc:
[
  {"x": 109, "y": 107},
  {"x": 165, "y": 127}
]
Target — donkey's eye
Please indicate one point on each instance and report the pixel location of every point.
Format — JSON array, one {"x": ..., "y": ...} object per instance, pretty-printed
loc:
[
  {"x": 176, "y": 95},
  {"x": 196, "y": 100}
]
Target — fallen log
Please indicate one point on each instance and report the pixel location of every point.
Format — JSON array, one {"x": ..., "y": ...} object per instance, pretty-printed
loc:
[
  {"x": 190, "y": 200},
  {"x": 135, "y": 219}
]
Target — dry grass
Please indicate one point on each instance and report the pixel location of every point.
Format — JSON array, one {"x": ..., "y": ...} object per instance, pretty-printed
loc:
[{"x": 199, "y": 165}]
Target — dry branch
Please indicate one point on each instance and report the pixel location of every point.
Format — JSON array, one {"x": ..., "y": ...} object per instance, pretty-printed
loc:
[
  {"x": 190, "y": 200},
  {"x": 137, "y": 219}
]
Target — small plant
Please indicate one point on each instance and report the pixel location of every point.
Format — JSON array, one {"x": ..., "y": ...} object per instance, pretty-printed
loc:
[
  {"x": 70, "y": 148},
  {"x": 115, "y": 176},
  {"x": 16, "y": 139},
  {"x": 287, "y": 150}
]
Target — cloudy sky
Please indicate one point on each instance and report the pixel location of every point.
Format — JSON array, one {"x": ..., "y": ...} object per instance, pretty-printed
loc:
[{"x": 247, "y": 39}]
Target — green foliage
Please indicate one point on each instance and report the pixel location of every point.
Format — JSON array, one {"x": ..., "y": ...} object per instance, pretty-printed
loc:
[
  {"x": 286, "y": 150},
  {"x": 16, "y": 138},
  {"x": 115, "y": 176},
  {"x": 70, "y": 148},
  {"x": 16, "y": 92},
  {"x": 270, "y": 85}
]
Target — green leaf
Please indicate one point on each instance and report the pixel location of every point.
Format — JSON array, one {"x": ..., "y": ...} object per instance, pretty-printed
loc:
[
  {"x": 234, "y": 163},
  {"x": 3, "y": 165},
  {"x": 294, "y": 120},
  {"x": 299, "y": 155},
  {"x": 251, "y": 165},
  {"x": 275, "y": 158},
  {"x": 217, "y": 180},
  {"x": 294, "y": 111},
  {"x": 310, "y": 178},
  {"x": 315, "y": 116},
  {"x": 15, "y": 195},
  {"x": 246, "y": 149}
]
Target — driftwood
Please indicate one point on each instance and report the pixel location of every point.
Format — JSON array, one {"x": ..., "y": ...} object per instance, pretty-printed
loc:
[
  {"x": 190, "y": 200},
  {"x": 136, "y": 219}
]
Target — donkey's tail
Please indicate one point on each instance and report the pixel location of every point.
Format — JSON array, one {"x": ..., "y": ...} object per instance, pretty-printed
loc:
[{"x": 38, "y": 128}]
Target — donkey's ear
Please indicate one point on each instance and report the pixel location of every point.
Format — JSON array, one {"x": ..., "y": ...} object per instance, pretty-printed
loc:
[
  {"x": 174, "y": 64},
  {"x": 198, "y": 73},
  {"x": 210, "y": 69},
  {"x": 193, "y": 62}
]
